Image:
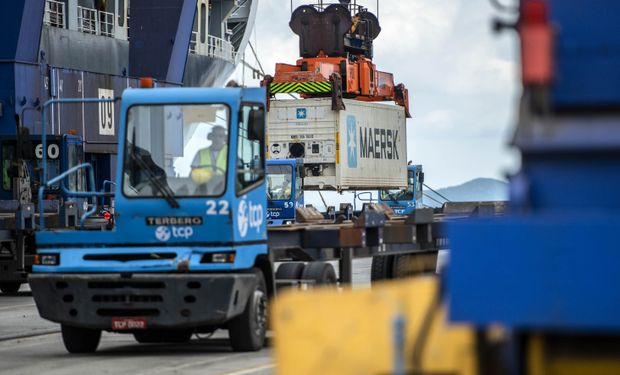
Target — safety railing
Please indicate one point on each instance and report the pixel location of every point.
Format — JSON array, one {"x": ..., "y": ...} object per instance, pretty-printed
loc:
[
  {"x": 106, "y": 24},
  {"x": 106, "y": 183},
  {"x": 55, "y": 15},
  {"x": 69, "y": 193},
  {"x": 91, "y": 21},
  {"x": 60, "y": 178},
  {"x": 87, "y": 20},
  {"x": 216, "y": 47},
  {"x": 193, "y": 41},
  {"x": 220, "y": 48}
]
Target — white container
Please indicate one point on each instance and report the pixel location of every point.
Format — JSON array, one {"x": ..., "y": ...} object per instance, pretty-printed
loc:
[{"x": 363, "y": 147}]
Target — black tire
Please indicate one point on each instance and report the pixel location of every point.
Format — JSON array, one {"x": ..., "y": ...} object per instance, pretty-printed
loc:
[
  {"x": 321, "y": 273},
  {"x": 80, "y": 340},
  {"x": 381, "y": 268},
  {"x": 290, "y": 271},
  {"x": 247, "y": 331},
  {"x": 408, "y": 265},
  {"x": 401, "y": 267},
  {"x": 176, "y": 336},
  {"x": 10, "y": 287}
]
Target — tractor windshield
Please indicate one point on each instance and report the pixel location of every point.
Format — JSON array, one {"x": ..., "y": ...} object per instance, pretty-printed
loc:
[
  {"x": 176, "y": 151},
  {"x": 279, "y": 184},
  {"x": 400, "y": 195}
]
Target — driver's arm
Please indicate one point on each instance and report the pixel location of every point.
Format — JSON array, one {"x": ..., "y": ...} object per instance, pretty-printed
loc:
[{"x": 196, "y": 161}]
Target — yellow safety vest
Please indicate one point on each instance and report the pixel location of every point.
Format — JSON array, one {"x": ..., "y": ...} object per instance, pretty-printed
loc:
[{"x": 220, "y": 162}]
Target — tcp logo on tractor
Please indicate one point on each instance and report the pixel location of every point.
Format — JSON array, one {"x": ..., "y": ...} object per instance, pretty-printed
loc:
[{"x": 249, "y": 216}]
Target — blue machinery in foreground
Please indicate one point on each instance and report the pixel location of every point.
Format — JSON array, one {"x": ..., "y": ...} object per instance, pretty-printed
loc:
[
  {"x": 548, "y": 271},
  {"x": 552, "y": 264}
]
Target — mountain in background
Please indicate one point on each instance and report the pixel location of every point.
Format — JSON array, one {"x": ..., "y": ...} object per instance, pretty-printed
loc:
[{"x": 479, "y": 189}]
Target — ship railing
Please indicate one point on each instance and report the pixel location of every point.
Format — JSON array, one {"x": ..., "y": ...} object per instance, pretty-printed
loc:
[
  {"x": 55, "y": 14},
  {"x": 106, "y": 22},
  {"x": 87, "y": 20},
  {"x": 91, "y": 21},
  {"x": 220, "y": 48},
  {"x": 192, "y": 42}
]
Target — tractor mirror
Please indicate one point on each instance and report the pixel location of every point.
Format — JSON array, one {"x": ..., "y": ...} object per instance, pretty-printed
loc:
[
  {"x": 256, "y": 124},
  {"x": 301, "y": 171}
]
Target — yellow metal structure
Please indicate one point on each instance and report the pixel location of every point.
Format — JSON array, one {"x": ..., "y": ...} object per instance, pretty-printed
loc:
[{"x": 397, "y": 326}]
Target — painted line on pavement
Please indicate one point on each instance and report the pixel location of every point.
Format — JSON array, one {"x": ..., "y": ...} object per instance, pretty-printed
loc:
[
  {"x": 16, "y": 306},
  {"x": 50, "y": 331},
  {"x": 193, "y": 364},
  {"x": 250, "y": 370}
]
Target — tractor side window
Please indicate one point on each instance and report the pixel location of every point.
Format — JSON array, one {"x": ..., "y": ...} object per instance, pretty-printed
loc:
[
  {"x": 75, "y": 156},
  {"x": 121, "y": 13},
  {"x": 250, "y": 151},
  {"x": 7, "y": 156},
  {"x": 81, "y": 174},
  {"x": 72, "y": 162},
  {"x": 298, "y": 187},
  {"x": 418, "y": 182}
]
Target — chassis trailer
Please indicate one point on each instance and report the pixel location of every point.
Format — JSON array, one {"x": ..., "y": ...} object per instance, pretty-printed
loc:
[{"x": 190, "y": 250}]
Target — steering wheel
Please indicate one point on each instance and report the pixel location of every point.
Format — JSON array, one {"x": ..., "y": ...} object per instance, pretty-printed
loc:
[
  {"x": 213, "y": 168},
  {"x": 217, "y": 181}
]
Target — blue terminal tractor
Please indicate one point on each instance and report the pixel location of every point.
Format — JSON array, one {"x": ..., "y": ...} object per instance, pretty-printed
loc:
[
  {"x": 405, "y": 201},
  {"x": 284, "y": 190},
  {"x": 187, "y": 230}
]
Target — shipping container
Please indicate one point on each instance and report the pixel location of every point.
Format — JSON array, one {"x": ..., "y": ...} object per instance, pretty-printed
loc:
[{"x": 363, "y": 147}]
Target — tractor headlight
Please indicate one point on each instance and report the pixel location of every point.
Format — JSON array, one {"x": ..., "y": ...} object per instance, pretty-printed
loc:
[{"x": 47, "y": 259}]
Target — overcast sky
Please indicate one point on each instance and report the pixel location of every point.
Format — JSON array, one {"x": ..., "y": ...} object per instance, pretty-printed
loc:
[{"x": 462, "y": 79}]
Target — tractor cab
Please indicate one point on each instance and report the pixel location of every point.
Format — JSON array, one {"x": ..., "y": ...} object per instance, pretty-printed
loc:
[
  {"x": 190, "y": 183},
  {"x": 405, "y": 201},
  {"x": 284, "y": 190}
]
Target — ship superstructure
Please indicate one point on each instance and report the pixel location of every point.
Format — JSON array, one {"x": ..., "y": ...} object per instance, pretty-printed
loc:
[{"x": 61, "y": 49}]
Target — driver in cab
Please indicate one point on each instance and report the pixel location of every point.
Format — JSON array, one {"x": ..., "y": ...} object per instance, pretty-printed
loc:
[
  {"x": 211, "y": 161},
  {"x": 283, "y": 191}
]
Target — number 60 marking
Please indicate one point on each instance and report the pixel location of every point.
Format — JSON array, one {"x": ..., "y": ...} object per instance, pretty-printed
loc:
[{"x": 53, "y": 151}]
